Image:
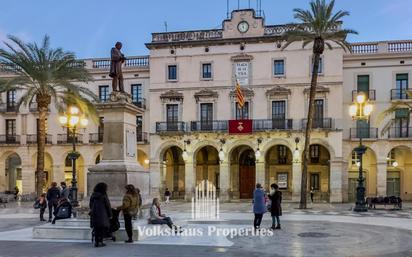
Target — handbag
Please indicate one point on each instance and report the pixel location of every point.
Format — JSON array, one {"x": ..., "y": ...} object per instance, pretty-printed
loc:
[
  {"x": 63, "y": 212},
  {"x": 36, "y": 204}
]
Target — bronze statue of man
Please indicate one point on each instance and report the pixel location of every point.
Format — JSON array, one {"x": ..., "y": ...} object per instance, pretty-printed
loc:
[{"x": 117, "y": 59}]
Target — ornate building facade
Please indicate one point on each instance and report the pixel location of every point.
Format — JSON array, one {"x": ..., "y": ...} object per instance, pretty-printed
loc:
[{"x": 197, "y": 133}]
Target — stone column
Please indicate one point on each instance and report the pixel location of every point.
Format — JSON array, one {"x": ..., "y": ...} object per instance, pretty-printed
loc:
[
  {"x": 345, "y": 181},
  {"x": 156, "y": 183},
  {"x": 190, "y": 180},
  {"x": 28, "y": 178},
  {"x": 224, "y": 183},
  {"x": 335, "y": 181},
  {"x": 381, "y": 170},
  {"x": 260, "y": 173},
  {"x": 296, "y": 180}
]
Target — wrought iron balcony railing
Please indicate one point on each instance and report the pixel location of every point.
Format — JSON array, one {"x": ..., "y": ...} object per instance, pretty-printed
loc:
[
  {"x": 67, "y": 139},
  {"x": 10, "y": 139},
  {"x": 399, "y": 94},
  {"x": 209, "y": 126},
  {"x": 371, "y": 133},
  {"x": 325, "y": 123},
  {"x": 95, "y": 138},
  {"x": 32, "y": 139},
  {"x": 370, "y": 94},
  {"x": 142, "y": 137},
  {"x": 273, "y": 124},
  {"x": 140, "y": 102},
  {"x": 8, "y": 107},
  {"x": 400, "y": 132},
  {"x": 176, "y": 127}
]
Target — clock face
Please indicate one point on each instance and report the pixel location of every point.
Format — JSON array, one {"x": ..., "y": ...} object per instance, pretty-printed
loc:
[{"x": 243, "y": 27}]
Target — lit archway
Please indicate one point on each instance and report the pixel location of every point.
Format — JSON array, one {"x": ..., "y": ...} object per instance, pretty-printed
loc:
[
  {"x": 242, "y": 171},
  {"x": 278, "y": 161},
  {"x": 369, "y": 173},
  {"x": 173, "y": 172},
  {"x": 80, "y": 174},
  {"x": 13, "y": 176},
  {"x": 143, "y": 159},
  {"x": 319, "y": 172},
  {"x": 399, "y": 173},
  {"x": 207, "y": 166}
]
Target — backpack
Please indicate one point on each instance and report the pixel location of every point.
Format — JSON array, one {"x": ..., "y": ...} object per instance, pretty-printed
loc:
[
  {"x": 36, "y": 204},
  {"x": 63, "y": 211}
]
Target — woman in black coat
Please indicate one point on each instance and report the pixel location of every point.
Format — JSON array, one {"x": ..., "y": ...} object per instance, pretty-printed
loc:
[
  {"x": 100, "y": 213},
  {"x": 276, "y": 209}
]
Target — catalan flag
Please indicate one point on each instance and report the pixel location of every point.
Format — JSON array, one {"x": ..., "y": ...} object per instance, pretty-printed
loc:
[{"x": 239, "y": 96}]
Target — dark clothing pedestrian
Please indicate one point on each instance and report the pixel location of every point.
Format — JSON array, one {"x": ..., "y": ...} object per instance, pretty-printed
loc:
[
  {"x": 53, "y": 195},
  {"x": 130, "y": 207},
  {"x": 65, "y": 193},
  {"x": 63, "y": 210},
  {"x": 42, "y": 203},
  {"x": 100, "y": 214},
  {"x": 259, "y": 206},
  {"x": 276, "y": 208}
]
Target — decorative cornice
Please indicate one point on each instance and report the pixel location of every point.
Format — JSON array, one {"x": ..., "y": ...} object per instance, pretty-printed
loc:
[
  {"x": 172, "y": 94},
  {"x": 319, "y": 89},
  {"x": 242, "y": 57},
  {"x": 206, "y": 93},
  {"x": 278, "y": 90},
  {"x": 246, "y": 92}
]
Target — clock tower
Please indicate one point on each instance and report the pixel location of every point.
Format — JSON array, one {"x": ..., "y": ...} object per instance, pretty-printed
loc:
[{"x": 243, "y": 23}]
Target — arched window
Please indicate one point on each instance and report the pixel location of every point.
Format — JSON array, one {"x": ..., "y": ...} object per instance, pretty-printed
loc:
[{"x": 68, "y": 161}]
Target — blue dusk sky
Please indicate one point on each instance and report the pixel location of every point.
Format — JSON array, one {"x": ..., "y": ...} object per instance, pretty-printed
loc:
[{"x": 90, "y": 27}]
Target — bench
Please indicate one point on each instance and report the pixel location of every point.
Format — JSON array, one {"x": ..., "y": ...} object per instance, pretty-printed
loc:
[{"x": 387, "y": 200}]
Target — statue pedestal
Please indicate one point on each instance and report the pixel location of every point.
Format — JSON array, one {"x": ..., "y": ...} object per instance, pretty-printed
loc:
[{"x": 119, "y": 165}]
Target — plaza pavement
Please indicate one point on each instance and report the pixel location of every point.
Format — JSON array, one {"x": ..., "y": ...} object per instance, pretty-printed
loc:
[{"x": 321, "y": 230}]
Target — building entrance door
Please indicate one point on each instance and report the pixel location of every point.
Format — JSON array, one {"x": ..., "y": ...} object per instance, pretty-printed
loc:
[{"x": 247, "y": 174}]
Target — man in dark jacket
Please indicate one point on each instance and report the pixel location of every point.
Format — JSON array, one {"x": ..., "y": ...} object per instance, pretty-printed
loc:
[
  {"x": 100, "y": 213},
  {"x": 53, "y": 195}
]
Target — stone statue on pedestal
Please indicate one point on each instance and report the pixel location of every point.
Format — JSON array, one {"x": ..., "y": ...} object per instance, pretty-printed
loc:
[{"x": 117, "y": 59}]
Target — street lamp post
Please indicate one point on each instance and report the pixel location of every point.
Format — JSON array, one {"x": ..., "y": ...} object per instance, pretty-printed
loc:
[
  {"x": 72, "y": 120},
  {"x": 361, "y": 109}
]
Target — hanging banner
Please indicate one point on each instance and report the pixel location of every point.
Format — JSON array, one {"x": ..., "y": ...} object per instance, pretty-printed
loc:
[{"x": 240, "y": 126}]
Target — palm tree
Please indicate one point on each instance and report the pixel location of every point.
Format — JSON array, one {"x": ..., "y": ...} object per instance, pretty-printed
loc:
[
  {"x": 45, "y": 74},
  {"x": 321, "y": 27}
]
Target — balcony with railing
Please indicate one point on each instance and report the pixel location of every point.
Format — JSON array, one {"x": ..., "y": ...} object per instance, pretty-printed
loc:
[
  {"x": 400, "y": 132},
  {"x": 399, "y": 94},
  {"x": 67, "y": 139},
  {"x": 142, "y": 137},
  {"x": 209, "y": 126},
  {"x": 367, "y": 133},
  {"x": 8, "y": 107},
  {"x": 95, "y": 138},
  {"x": 10, "y": 139},
  {"x": 366, "y": 48},
  {"x": 370, "y": 94},
  {"x": 131, "y": 62},
  {"x": 140, "y": 102},
  {"x": 324, "y": 123},
  {"x": 31, "y": 139},
  {"x": 273, "y": 124},
  {"x": 171, "y": 127}
]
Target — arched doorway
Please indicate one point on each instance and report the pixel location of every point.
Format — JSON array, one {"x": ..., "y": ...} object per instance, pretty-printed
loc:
[
  {"x": 369, "y": 173},
  {"x": 319, "y": 172},
  {"x": 243, "y": 171},
  {"x": 399, "y": 173},
  {"x": 13, "y": 173},
  {"x": 207, "y": 166},
  {"x": 279, "y": 169},
  {"x": 173, "y": 175}
]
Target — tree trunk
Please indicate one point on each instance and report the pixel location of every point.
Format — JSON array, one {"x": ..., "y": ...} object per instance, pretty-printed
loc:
[
  {"x": 318, "y": 49},
  {"x": 43, "y": 103}
]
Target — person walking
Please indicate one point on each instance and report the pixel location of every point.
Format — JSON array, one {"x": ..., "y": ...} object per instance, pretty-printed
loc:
[
  {"x": 100, "y": 213},
  {"x": 53, "y": 196},
  {"x": 276, "y": 209},
  {"x": 167, "y": 195},
  {"x": 42, "y": 203},
  {"x": 259, "y": 205},
  {"x": 16, "y": 193},
  {"x": 312, "y": 193},
  {"x": 156, "y": 216},
  {"x": 65, "y": 192},
  {"x": 129, "y": 208}
]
